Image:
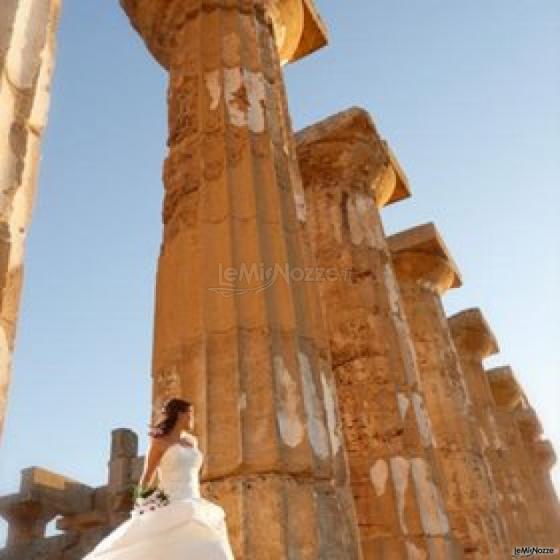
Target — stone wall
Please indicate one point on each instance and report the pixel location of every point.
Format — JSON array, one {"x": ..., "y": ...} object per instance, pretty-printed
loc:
[{"x": 27, "y": 44}]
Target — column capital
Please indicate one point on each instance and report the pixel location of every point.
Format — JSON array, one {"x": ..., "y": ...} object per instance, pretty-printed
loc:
[
  {"x": 299, "y": 29},
  {"x": 472, "y": 334},
  {"x": 420, "y": 256},
  {"x": 506, "y": 390},
  {"x": 346, "y": 148},
  {"x": 545, "y": 454}
]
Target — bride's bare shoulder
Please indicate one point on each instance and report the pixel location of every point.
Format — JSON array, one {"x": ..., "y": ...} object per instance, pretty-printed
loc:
[{"x": 190, "y": 439}]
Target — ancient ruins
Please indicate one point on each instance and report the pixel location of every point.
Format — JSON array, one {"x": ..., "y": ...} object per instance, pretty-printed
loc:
[
  {"x": 343, "y": 415},
  {"x": 27, "y": 41}
]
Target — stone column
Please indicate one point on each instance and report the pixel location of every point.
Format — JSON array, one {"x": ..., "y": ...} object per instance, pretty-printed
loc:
[
  {"x": 348, "y": 175},
  {"x": 474, "y": 342},
  {"x": 27, "y": 522},
  {"x": 425, "y": 271},
  {"x": 124, "y": 454},
  {"x": 538, "y": 458},
  {"x": 234, "y": 322},
  {"x": 546, "y": 497},
  {"x": 532, "y": 505},
  {"x": 27, "y": 40}
]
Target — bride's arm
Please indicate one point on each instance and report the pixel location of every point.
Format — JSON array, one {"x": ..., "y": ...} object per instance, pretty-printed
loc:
[{"x": 151, "y": 461}]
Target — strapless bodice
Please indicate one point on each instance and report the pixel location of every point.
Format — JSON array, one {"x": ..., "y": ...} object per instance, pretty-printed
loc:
[
  {"x": 178, "y": 472},
  {"x": 188, "y": 527}
]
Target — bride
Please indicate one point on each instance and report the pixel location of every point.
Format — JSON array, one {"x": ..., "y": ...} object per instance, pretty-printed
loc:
[{"x": 182, "y": 525}]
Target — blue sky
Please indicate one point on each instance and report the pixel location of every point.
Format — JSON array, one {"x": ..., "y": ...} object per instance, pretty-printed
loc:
[{"x": 467, "y": 95}]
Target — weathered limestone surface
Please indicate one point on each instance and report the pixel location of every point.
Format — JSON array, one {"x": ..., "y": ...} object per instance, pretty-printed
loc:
[
  {"x": 348, "y": 175},
  {"x": 425, "y": 271},
  {"x": 508, "y": 473},
  {"x": 531, "y": 505},
  {"x": 342, "y": 415},
  {"x": 547, "y": 503},
  {"x": 245, "y": 349},
  {"x": 83, "y": 514},
  {"x": 474, "y": 342},
  {"x": 27, "y": 42}
]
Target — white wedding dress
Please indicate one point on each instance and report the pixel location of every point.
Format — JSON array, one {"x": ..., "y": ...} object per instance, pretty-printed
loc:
[{"x": 189, "y": 528}]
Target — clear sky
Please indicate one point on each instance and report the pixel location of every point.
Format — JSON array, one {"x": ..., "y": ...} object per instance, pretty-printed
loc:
[{"x": 467, "y": 93}]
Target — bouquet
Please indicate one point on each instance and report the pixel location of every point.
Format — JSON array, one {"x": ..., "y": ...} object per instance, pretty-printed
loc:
[{"x": 148, "y": 500}]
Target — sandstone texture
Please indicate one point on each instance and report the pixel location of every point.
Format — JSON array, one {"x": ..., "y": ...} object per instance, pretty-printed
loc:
[
  {"x": 27, "y": 45},
  {"x": 84, "y": 515},
  {"x": 425, "y": 271},
  {"x": 246, "y": 349},
  {"x": 349, "y": 174},
  {"x": 342, "y": 415}
]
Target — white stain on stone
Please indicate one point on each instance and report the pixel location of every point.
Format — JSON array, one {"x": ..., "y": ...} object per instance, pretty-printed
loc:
[
  {"x": 379, "y": 475},
  {"x": 392, "y": 289},
  {"x": 415, "y": 553},
  {"x": 254, "y": 82},
  {"x": 29, "y": 51},
  {"x": 28, "y": 39},
  {"x": 404, "y": 403},
  {"x": 214, "y": 88},
  {"x": 365, "y": 208},
  {"x": 354, "y": 223},
  {"x": 361, "y": 220},
  {"x": 244, "y": 92},
  {"x": 423, "y": 420},
  {"x": 401, "y": 326},
  {"x": 317, "y": 432},
  {"x": 301, "y": 208},
  {"x": 233, "y": 84},
  {"x": 291, "y": 428},
  {"x": 330, "y": 408},
  {"x": 242, "y": 401},
  {"x": 8, "y": 160},
  {"x": 400, "y": 469},
  {"x": 432, "y": 515}
]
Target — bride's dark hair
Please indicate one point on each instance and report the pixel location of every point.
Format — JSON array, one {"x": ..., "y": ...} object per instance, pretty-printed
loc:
[{"x": 170, "y": 411}]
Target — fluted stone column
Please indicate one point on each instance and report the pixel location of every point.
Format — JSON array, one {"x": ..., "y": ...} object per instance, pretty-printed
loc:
[
  {"x": 425, "y": 271},
  {"x": 522, "y": 475},
  {"x": 546, "y": 497},
  {"x": 538, "y": 458},
  {"x": 474, "y": 342},
  {"x": 235, "y": 323},
  {"x": 348, "y": 175},
  {"x": 27, "y": 42}
]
